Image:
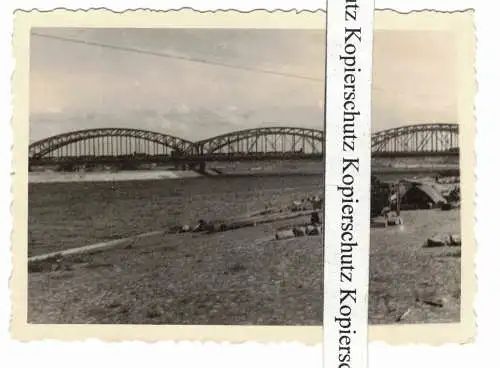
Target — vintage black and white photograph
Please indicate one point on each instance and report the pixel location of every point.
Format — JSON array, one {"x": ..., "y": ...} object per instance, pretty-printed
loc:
[
  {"x": 421, "y": 196},
  {"x": 176, "y": 176}
]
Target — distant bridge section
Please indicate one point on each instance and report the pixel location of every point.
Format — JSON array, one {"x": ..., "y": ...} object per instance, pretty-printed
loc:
[
  {"x": 108, "y": 142},
  {"x": 417, "y": 140},
  {"x": 263, "y": 143}
]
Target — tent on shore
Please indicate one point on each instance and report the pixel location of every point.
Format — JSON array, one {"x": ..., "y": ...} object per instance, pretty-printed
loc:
[{"x": 421, "y": 196}]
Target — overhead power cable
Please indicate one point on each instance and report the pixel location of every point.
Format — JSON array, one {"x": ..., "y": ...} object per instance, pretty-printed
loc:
[
  {"x": 177, "y": 57},
  {"x": 209, "y": 62}
]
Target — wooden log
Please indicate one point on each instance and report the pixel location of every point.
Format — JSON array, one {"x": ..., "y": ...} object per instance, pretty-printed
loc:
[{"x": 435, "y": 242}]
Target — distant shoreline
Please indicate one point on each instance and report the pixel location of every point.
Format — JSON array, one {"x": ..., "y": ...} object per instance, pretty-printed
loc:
[
  {"x": 61, "y": 177},
  {"x": 58, "y": 177},
  {"x": 104, "y": 176},
  {"x": 411, "y": 170}
]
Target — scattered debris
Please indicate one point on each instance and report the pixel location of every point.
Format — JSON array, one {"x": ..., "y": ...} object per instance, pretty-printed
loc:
[
  {"x": 299, "y": 231},
  {"x": 315, "y": 218},
  {"x": 310, "y": 203},
  {"x": 285, "y": 234},
  {"x": 217, "y": 227},
  {"x": 403, "y": 316},
  {"x": 431, "y": 299},
  {"x": 432, "y": 303},
  {"x": 435, "y": 242},
  {"x": 154, "y": 311},
  {"x": 237, "y": 267},
  {"x": 298, "y": 206},
  {"x": 53, "y": 263},
  {"x": 444, "y": 240},
  {"x": 313, "y": 230},
  {"x": 306, "y": 207},
  {"x": 392, "y": 218},
  {"x": 99, "y": 265},
  {"x": 446, "y": 206},
  {"x": 317, "y": 202},
  {"x": 201, "y": 226},
  {"x": 455, "y": 239},
  {"x": 452, "y": 194}
]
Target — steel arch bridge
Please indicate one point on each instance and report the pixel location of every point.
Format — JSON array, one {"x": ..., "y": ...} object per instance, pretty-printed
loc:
[
  {"x": 108, "y": 142},
  {"x": 125, "y": 145},
  {"x": 269, "y": 142},
  {"x": 422, "y": 139},
  {"x": 135, "y": 145}
]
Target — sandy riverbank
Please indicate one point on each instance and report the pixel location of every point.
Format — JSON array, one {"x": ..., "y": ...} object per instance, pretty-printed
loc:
[
  {"x": 58, "y": 177},
  {"x": 243, "y": 276},
  {"x": 410, "y": 283}
]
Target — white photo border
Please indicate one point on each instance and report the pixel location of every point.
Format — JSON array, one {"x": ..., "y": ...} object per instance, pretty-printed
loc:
[{"x": 130, "y": 354}]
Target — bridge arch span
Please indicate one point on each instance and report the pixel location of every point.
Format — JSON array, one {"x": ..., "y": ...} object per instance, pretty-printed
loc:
[
  {"x": 421, "y": 138},
  {"x": 277, "y": 140},
  {"x": 45, "y": 146}
]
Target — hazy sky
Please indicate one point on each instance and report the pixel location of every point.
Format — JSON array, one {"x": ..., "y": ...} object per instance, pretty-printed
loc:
[
  {"x": 414, "y": 78},
  {"x": 78, "y": 86}
]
